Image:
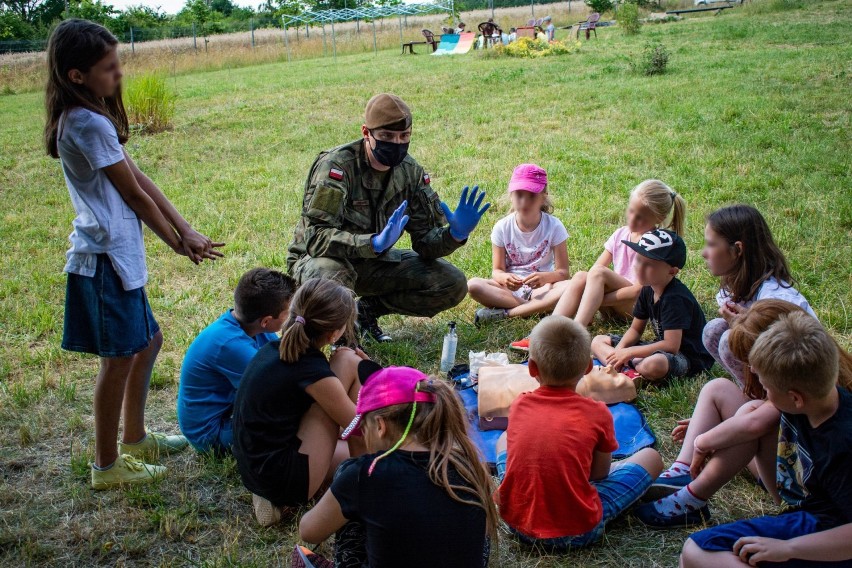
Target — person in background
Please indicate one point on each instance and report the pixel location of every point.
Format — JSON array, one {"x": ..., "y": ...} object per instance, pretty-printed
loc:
[{"x": 549, "y": 28}]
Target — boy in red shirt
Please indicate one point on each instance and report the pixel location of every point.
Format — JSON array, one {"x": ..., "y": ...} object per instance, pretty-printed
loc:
[{"x": 559, "y": 487}]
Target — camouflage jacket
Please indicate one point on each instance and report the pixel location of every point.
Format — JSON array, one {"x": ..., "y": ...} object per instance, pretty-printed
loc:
[{"x": 346, "y": 202}]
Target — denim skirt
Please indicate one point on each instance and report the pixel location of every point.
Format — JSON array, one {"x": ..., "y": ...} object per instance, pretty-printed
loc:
[{"x": 103, "y": 318}]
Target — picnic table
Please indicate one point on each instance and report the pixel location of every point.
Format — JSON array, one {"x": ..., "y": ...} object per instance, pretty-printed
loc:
[{"x": 717, "y": 9}]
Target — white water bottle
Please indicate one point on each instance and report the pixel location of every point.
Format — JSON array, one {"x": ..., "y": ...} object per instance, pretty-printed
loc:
[{"x": 448, "y": 353}]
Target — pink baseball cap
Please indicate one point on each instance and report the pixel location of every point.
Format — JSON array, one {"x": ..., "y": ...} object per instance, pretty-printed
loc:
[
  {"x": 528, "y": 177},
  {"x": 388, "y": 387}
]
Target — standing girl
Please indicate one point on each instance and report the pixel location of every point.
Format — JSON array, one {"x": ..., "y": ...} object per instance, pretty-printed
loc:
[
  {"x": 739, "y": 248},
  {"x": 614, "y": 290},
  {"x": 529, "y": 256},
  {"x": 422, "y": 497},
  {"x": 106, "y": 307},
  {"x": 292, "y": 402}
]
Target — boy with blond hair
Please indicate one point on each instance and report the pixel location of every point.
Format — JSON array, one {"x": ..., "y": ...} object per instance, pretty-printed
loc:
[
  {"x": 559, "y": 487},
  {"x": 797, "y": 363}
]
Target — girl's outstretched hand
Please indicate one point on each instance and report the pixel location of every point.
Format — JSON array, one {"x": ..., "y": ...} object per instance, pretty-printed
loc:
[
  {"x": 679, "y": 431},
  {"x": 200, "y": 247}
]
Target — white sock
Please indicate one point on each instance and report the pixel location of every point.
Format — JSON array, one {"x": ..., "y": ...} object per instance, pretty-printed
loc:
[
  {"x": 680, "y": 503},
  {"x": 677, "y": 469}
]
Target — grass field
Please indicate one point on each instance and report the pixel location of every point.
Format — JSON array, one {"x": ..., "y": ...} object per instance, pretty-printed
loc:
[{"x": 755, "y": 108}]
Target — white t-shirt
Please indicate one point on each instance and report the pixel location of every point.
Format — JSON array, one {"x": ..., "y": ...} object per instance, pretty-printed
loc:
[
  {"x": 105, "y": 224},
  {"x": 528, "y": 252},
  {"x": 772, "y": 289}
]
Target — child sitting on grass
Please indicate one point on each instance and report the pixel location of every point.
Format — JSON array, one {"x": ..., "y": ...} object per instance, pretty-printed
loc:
[
  {"x": 559, "y": 488},
  {"x": 739, "y": 248},
  {"x": 528, "y": 254},
  {"x": 732, "y": 429},
  {"x": 214, "y": 363},
  {"x": 797, "y": 362},
  {"x": 613, "y": 291},
  {"x": 292, "y": 402},
  {"x": 422, "y": 497},
  {"x": 675, "y": 316}
]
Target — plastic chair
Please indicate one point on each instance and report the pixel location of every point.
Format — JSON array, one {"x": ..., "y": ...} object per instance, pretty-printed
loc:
[
  {"x": 589, "y": 24},
  {"x": 430, "y": 40}
]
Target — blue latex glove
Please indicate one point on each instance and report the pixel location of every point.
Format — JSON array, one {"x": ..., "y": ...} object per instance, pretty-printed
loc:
[
  {"x": 467, "y": 214},
  {"x": 392, "y": 231}
]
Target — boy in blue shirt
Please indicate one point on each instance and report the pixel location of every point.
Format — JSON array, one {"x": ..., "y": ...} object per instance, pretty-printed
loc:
[
  {"x": 214, "y": 363},
  {"x": 797, "y": 363}
]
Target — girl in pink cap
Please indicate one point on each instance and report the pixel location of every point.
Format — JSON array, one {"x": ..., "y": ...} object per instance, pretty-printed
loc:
[
  {"x": 529, "y": 269},
  {"x": 420, "y": 496},
  {"x": 609, "y": 286}
]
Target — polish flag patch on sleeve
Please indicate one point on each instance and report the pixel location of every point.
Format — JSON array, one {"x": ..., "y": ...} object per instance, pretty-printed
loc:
[
  {"x": 426, "y": 179},
  {"x": 335, "y": 173}
]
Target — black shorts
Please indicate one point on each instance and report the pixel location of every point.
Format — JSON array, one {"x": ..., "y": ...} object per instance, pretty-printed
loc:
[{"x": 284, "y": 478}]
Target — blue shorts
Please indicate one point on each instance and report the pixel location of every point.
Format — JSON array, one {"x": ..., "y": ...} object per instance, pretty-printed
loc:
[
  {"x": 782, "y": 527},
  {"x": 678, "y": 363},
  {"x": 621, "y": 488},
  {"x": 103, "y": 318}
]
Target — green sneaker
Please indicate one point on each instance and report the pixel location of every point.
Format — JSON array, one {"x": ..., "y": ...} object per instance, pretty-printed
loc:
[
  {"x": 154, "y": 445},
  {"x": 126, "y": 470}
]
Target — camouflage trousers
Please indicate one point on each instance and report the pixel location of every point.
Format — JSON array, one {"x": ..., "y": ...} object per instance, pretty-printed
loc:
[{"x": 413, "y": 287}]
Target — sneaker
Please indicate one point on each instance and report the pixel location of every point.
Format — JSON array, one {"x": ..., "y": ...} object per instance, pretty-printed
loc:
[
  {"x": 368, "y": 324},
  {"x": 265, "y": 512},
  {"x": 522, "y": 345},
  {"x": 652, "y": 518},
  {"x": 486, "y": 315},
  {"x": 303, "y": 558},
  {"x": 665, "y": 486},
  {"x": 154, "y": 445},
  {"x": 126, "y": 470}
]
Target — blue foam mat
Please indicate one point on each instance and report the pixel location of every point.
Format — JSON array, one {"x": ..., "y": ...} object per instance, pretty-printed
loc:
[{"x": 631, "y": 429}]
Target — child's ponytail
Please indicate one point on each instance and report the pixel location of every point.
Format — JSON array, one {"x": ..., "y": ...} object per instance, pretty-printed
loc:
[
  {"x": 318, "y": 309},
  {"x": 678, "y": 220},
  {"x": 662, "y": 201}
]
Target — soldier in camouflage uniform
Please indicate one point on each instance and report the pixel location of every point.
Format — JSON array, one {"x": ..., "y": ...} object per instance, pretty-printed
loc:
[{"x": 359, "y": 197}]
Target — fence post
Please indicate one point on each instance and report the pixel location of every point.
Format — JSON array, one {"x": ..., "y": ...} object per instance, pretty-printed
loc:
[
  {"x": 251, "y": 26},
  {"x": 333, "y": 41},
  {"x": 194, "y": 38},
  {"x": 132, "y": 44},
  {"x": 400, "y": 29},
  {"x": 532, "y": 8},
  {"x": 324, "y": 49},
  {"x": 287, "y": 43},
  {"x": 375, "y": 46}
]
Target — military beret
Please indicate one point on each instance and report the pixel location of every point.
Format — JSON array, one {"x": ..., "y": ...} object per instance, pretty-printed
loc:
[{"x": 387, "y": 111}]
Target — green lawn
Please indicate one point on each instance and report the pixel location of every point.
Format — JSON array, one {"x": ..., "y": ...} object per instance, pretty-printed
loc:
[{"x": 755, "y": 108}]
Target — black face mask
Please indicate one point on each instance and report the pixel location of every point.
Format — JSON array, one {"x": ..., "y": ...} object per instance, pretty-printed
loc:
[{"x": 389, "y": 154}]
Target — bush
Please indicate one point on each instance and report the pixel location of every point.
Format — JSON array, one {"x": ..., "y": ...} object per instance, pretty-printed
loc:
[
  {"x": 628, "y": 18},
  {"x": 529, "y": 48},
  {"x": 150, "y": 103},
  {"x": 599, "y": 6},
  {"x": 652, "y": 60}
]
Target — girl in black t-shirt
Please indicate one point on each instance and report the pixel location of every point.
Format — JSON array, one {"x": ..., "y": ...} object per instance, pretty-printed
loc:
[
  {"x": 292, "y": 402},
  {"x": 422, "y": 497}
]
